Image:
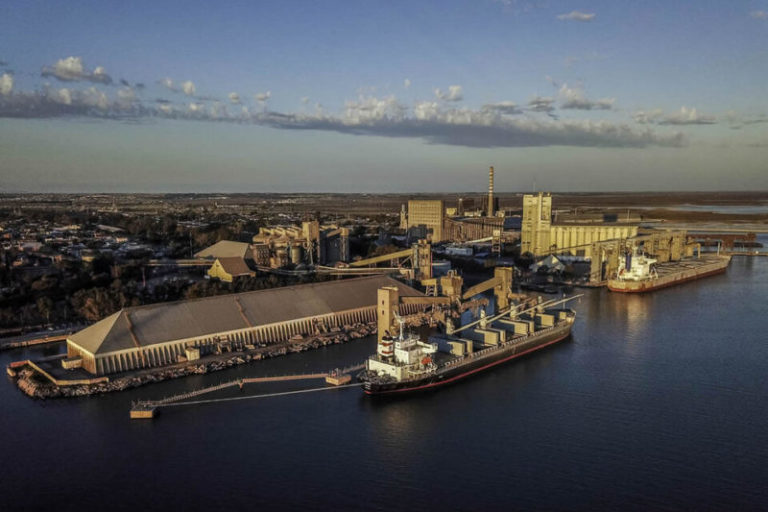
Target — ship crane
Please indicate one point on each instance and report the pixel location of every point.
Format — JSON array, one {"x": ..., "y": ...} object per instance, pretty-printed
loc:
[
  {"x": 513, "y": 313},
  {"x": 389, "y": 299}
]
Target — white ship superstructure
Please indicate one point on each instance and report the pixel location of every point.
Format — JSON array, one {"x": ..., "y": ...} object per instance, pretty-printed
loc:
[
  {"x": 403, "y": 357},
  {"x": 636, "y": 267}
]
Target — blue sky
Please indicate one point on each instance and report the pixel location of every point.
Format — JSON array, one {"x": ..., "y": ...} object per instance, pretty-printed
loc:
[{"x": 383, "y": 96}]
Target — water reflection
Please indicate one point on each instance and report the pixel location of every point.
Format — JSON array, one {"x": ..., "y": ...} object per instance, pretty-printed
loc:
[{"x": 634, "y": 312}]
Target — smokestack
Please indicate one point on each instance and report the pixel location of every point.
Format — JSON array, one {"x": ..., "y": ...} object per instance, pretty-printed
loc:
[{"x": 490, "y": 192}]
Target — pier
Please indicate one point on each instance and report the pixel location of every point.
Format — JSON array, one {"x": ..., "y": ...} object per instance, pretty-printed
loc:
[
  {"x": 338, "y": 378},
  {"x": 43, "y": 340}
]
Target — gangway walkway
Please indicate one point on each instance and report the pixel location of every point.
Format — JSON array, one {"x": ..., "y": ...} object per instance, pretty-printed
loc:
[{"x": 147, "y": 408}]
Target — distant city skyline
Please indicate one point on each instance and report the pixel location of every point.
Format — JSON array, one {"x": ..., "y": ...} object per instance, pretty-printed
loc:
[{"x": 383, "y": 96}]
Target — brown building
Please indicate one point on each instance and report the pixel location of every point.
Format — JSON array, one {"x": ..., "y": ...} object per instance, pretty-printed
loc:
[
  {"x": 427, "y": 216},
  {"x": 229, "y": 269}
]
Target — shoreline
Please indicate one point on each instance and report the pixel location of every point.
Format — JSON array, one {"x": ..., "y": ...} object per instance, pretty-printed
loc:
[{"x": 33, "y": 384}]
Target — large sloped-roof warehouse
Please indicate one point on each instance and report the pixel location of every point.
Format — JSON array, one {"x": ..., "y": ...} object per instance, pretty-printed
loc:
[{"x": 158, "y": 334}]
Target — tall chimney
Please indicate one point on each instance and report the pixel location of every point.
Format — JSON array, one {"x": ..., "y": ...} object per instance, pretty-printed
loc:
[{"x": 490, "y": 192}]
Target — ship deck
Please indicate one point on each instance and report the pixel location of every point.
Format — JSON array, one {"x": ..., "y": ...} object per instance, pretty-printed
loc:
[
  {"x": 673, "y": 273},
  {"x": 674, "y": 267}
]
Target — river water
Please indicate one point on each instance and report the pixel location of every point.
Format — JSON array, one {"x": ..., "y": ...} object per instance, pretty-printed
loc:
[{"x": 657, "y": 402}]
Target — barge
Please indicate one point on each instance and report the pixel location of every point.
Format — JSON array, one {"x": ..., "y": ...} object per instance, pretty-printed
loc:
[
  {"x": 640, "y": 273},
  {"x": 407, "y": 364}
]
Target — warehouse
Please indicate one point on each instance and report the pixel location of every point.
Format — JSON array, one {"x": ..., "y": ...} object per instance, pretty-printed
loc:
[{"x": 161, "y": 334}]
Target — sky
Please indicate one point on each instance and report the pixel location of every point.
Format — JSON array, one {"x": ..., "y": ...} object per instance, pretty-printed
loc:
[{"x": 383, "y": 96}]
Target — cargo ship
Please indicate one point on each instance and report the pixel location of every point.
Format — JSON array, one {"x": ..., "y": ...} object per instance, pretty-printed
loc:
[
  {"x": 639, "y": 273},
  {"x": 407, "y": 364}
]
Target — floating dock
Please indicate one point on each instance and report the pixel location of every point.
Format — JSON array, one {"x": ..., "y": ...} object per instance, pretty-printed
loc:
[{"x": 143, "y": 413}]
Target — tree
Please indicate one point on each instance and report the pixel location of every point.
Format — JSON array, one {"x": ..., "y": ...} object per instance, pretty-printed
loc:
[{"x": 45, "y": 308}]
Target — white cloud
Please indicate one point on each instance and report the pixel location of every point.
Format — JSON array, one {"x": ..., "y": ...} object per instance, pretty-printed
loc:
[
  {"x": 188, "y": 88},
  {"x": 454, "y": 93},
  {"x": 760, "y": 15},
  {"x": 261, "y": 97},
  {"x": 93, "y": 97},
  {"x": 503, "y": 107},
  {"x": 541, "y": 104},
  {"x": 407, "y": 83},
  {"x": 577, "y": 16},
  {"x": 6, "y": 84},
  {"x": 434, "y": 122},
  {"x": 426, "y": 110},
  {"x": 574, "y": 98},
  {"x": 63, "y": 95},
  {"x": 72, "y": 69},
  {"x": 234, "y": 98},
  {"x": 684, "y": 116},
  {"x": 370, "y": 108},
  {"x": 218, "y": 111},
  {"x": 126, "y": 96},
  {"x": 687, "y": 116},
  {"x": 168, "y": 84},
  {"x": 648, "y": 117},
  {"x": 100, "y": 75}
]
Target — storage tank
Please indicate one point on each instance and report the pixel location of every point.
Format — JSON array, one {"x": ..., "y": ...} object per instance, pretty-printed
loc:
[
  {"x": 296, "y": 254},
  {"x": 282, "y": 257}
]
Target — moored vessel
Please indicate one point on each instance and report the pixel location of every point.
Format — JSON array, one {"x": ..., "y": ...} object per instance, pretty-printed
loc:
[
  {"x": 405, "y": 363},
  {"x": 639, "y": 273}
]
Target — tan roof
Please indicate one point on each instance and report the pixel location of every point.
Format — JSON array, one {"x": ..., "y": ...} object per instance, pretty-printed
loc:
[
  {"x": 225, "y": 249},
  {"x": 234, "y": 266},
  {"x": 161, "y": 323}
]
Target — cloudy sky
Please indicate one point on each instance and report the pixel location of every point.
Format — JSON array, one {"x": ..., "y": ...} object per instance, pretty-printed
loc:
[{"x": 383, "y": 96}]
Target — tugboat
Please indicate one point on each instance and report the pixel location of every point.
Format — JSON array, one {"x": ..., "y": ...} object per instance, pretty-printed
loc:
[{"x": 406, "y": 363}]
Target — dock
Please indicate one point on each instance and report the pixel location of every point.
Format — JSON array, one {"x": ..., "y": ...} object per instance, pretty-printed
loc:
[
  {"x": 44, "y": 340},
  {"x": 337, "y": 378}
]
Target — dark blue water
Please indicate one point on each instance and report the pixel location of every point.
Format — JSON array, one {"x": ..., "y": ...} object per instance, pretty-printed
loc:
[{"x": 658, "y": 402}]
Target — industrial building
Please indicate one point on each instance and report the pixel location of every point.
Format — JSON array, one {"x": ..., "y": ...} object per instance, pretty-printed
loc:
[
  {"x": 277, "y": 247},
  {"x": 226, "y": 249},
  {"x": 460, "y": 229},
  {"x": 231, "y": 260},
  {"x": 432, "y": 221},
  {"x": 311, "y": 243},
  {"x": 426, "y": 219},
  {"x": 229, "y": 269},
  {"x": 161, "y": 334},
  {"x": 541, "y": 236}
]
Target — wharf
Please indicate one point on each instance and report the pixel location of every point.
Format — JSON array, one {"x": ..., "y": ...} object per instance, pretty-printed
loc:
[{"x": 44, "y": 340}]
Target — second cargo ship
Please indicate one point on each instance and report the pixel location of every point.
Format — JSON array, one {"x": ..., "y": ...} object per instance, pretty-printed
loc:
[{"x": 639, "y": 273}]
